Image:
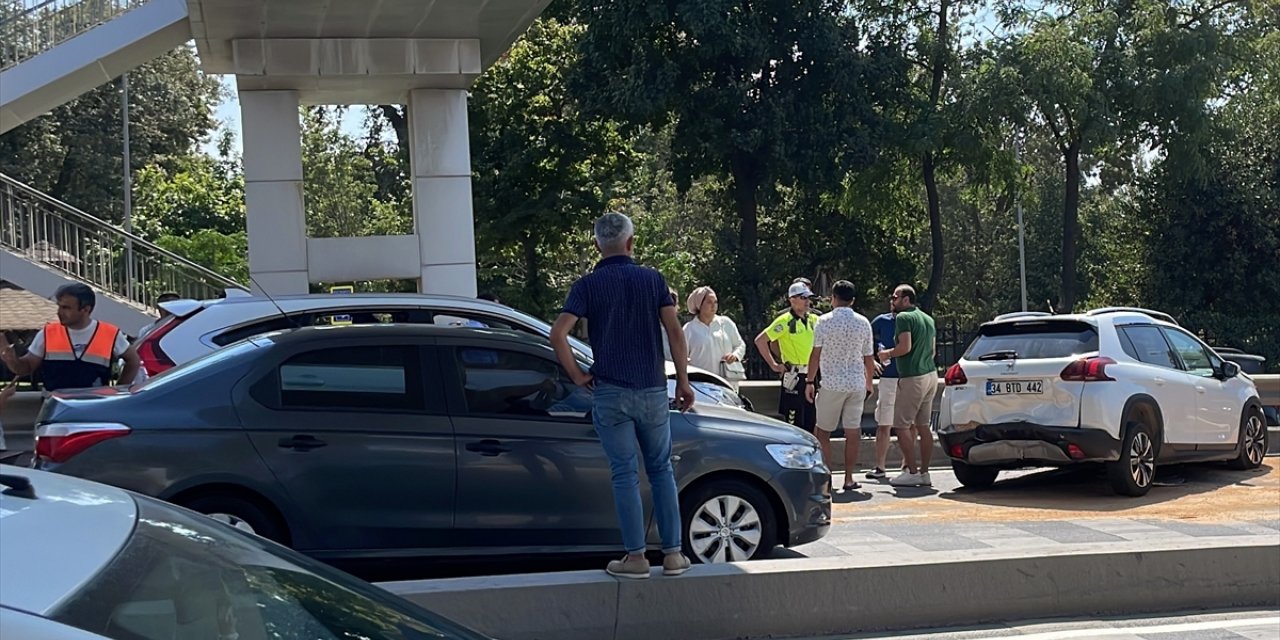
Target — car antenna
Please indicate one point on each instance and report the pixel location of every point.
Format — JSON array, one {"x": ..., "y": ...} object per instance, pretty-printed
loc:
[{"x": 292, "y": 321}]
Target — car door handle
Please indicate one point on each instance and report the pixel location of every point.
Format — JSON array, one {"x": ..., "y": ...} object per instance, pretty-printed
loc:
[
  {"x": 301, "y": 443},
  {"x": 1159, "y": 381},
  {"x": 488, "y": 448},
  {"x": 1200, "y": 389}
]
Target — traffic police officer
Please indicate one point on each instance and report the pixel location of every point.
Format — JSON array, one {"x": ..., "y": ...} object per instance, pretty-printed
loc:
[{"x": 793, "y": 331}]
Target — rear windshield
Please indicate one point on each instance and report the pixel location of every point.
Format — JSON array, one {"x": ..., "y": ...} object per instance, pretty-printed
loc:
[{"x": 1034, "y": 339}]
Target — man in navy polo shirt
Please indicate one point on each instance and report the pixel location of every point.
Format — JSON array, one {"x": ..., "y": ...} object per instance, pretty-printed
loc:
[{"x": 628, "y": 308}]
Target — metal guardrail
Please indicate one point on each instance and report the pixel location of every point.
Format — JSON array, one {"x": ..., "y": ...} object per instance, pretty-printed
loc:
[
  {"x": 31, "y": 27},
  {"x": 55, "y": 234}
]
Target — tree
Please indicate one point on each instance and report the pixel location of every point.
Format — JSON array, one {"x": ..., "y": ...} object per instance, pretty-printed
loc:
[
  {"x": 1110, "y": 79},
  {"x": 196, "y": 193},
  {"x": 74, "y": 153},
  {"x": 927, "y": 36},
  {"x": 762, "y": 94},
  {"x": 541, "y": 170},
  {"x": 341, "y": 183}
]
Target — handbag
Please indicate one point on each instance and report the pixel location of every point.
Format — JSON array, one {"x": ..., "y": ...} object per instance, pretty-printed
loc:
[{"x": 733, "y": 370}]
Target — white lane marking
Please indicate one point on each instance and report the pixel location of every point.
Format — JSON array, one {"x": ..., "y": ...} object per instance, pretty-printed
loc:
[{"x": 1158, "y": 628}]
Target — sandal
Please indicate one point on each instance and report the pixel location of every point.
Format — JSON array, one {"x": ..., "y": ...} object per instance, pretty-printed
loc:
[{"x": 851, "y": 485}]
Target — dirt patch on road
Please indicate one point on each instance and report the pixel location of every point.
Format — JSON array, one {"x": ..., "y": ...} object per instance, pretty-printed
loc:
[{"x": 1203, "y": 492}]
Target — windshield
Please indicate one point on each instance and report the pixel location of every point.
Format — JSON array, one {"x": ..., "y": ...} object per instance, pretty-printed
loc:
[
  {"x": 182, "y": 575},
  {"x": 545, "y": 329}
]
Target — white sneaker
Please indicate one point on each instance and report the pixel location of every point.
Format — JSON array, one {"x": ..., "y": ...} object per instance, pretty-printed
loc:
[
  {"x": 906, "y": 479},
  {"x": 925, "y": 480}
]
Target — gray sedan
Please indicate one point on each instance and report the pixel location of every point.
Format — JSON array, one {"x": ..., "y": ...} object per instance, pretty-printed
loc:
[{"x": 379, "y": 442}]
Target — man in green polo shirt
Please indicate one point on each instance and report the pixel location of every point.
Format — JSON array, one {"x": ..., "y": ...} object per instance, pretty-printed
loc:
[
  {"x": 793, "y": 331},
  {"x": 917, "y": 385}
]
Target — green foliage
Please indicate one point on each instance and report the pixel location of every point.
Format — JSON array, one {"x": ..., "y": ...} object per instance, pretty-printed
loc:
[
  {"x": 75, "y": 152},
  {"x": 764, "y": 94},
  {"x": 542, "y": 172},
  {"x": 341, "y": 183},
  {"x": 197, "y": 193},
  {"x": 224, "y": 253}
]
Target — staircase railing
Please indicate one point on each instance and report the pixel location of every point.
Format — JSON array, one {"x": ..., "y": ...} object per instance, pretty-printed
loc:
[
  {"x": 59, "y": 236},
  {"x": 31, "y": 27}
]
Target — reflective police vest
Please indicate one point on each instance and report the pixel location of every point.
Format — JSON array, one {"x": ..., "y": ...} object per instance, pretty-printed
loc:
[{"x": 61, "y": 368}]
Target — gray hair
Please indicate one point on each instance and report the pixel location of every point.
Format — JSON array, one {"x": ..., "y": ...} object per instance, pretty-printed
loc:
[{"x": 613, "y": 230}]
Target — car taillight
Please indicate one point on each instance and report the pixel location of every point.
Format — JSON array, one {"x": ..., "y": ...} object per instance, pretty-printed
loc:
[
  {"x": 154, "y": 359},
  {"x": 61, "y": 442},
  {"x": 957, "y": 451},
  {"x": 955, "y": 376},
  {"x": 1088, "y": 370}
]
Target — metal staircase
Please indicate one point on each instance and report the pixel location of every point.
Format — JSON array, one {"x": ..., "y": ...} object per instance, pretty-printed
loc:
[
  {"x": 52, "y": 51},
  {"x": 30, "y": 27},
  {"x": 56, "y": 237}
]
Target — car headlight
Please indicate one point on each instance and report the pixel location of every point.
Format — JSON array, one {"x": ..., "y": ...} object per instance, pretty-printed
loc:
[{"x": 795, "y": 456}]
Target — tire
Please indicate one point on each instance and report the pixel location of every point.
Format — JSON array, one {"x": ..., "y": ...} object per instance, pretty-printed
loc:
[
  {"x": 748, "y": 530},
  {"x": 1252, "y": 445},
  {"x": 973, "y": 476},
  {"x": 1134, "y": 472},
  {"x": 241, "y": 513}
]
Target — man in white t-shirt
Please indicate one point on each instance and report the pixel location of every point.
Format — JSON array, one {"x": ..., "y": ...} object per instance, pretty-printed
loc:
[
  {"x": 76, "y": 351},
  {"x": 842, "y": 364}
]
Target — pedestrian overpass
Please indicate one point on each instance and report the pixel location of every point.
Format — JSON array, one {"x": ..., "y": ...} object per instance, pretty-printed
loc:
[{"x": 283, "y": 53}]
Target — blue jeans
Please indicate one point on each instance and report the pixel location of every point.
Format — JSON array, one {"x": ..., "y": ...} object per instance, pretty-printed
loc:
[{"x": 628, "y": 420}]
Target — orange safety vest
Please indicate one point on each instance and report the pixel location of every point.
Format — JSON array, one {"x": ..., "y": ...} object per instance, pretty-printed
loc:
[{"x": 62, "y": 369}]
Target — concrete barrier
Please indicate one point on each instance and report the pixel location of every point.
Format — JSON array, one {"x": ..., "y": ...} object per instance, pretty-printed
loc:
[{"x": 827, "y": 596}]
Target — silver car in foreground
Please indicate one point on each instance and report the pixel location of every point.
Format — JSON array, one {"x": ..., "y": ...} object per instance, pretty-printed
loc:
[{"x": 84, "y": 561}]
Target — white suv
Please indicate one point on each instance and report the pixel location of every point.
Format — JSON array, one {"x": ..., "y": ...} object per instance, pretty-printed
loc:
[
  {"x": 198, "y": 327},
  {"x": 1127, "y": 388}
]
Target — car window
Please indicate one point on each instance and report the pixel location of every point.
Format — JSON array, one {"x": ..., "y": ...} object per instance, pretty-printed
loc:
[
  {"x": 1193, "y": 354},
  {"x": 372, "y": 377},
  {"x": 471, "y": 320},
  {"x": 182, "y": 575},
  {"x": 1041, "y": 339},
  {"x": 1149, "y": 345},
  {"x": 511, "y": 383},
  {"x": 325, "y": 318},
  {"x": 237, "y": 334}
]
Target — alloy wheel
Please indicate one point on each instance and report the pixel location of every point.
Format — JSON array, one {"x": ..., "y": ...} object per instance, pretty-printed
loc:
[
  {"x": 725, "y": 529},
  {"x": 1142, "y": 459},
  {"x": 1255, "y": 442}
]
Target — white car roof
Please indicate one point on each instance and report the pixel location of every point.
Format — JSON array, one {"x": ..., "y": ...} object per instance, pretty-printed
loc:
[
  {"x": 52, "y": 544},
  {"x": 1111, "y": 315}
]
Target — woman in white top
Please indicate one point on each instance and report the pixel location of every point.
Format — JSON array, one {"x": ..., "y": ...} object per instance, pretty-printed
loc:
[{"x": 714, "y": 342}]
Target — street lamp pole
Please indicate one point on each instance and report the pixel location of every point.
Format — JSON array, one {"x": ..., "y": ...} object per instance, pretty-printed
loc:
[
  {"x": 128, "y": 186},
  {"x": 1022, "y": 245}
]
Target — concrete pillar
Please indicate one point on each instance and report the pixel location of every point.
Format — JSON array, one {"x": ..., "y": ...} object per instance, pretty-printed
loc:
[
  {"x": 441, "y": 165},
  {"x": 276, "y": 220}
]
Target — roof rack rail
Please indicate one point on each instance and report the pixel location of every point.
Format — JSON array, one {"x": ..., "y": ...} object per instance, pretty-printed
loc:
[
  {"x": 1157, "y": 315},
  {"x": 1020, "y": 314}
]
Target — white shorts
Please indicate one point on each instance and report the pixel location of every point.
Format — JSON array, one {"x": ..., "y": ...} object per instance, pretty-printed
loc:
[
  {"x": 886, "y": 396},
  {"x": 835, "y": 407}
]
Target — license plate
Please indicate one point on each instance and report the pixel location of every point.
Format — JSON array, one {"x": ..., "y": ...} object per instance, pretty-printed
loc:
[{"x": 1014, "y": 387}]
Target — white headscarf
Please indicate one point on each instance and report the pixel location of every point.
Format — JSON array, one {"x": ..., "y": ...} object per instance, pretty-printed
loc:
[{"x": 696, "y": 298}]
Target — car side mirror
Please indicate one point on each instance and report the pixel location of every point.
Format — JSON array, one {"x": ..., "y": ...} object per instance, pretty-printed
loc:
[{"x": 1229, "y": 369}]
